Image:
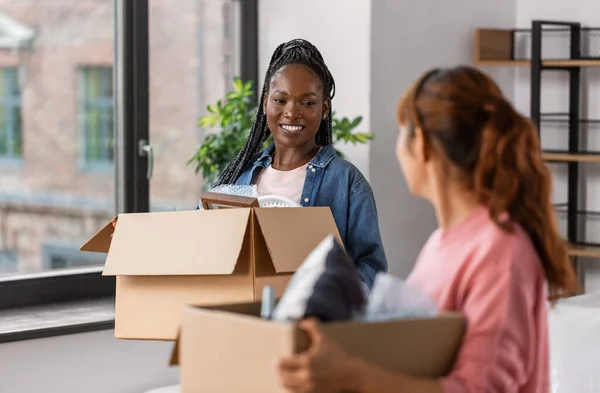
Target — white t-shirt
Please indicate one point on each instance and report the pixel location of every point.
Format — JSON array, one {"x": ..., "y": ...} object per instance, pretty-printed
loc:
[{"x": 288, "y": 184}]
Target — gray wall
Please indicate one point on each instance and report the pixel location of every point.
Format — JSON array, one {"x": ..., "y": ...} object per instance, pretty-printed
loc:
[
  {"x": 405, "y": 41},
  {"x": 85, "y": 363}
]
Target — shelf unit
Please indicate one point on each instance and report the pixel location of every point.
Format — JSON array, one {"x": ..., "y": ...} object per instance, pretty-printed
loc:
[
  {"x": 573, "y": 49},
  {"x": 500, "y": 48}
]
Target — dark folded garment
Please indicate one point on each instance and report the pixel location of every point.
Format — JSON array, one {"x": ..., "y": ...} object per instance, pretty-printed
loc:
[{"x": 326, "y": 287}]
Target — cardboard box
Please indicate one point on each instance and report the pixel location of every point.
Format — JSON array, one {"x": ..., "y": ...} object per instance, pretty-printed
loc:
[
  {"x": 163, "y": 261},
  {"x": 230, "y": 349}
]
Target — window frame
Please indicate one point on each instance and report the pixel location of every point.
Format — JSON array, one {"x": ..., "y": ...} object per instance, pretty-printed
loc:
[{"x": 131, "y": 113}]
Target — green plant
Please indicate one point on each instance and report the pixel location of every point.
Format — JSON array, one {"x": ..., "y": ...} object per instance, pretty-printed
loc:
[{"x": 234, "y": 117}]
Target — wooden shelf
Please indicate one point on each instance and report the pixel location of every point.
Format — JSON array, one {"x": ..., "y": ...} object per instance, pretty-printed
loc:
[
  {"x": 494, "y": 48},
  {"x": 572, "y": 63},
  {"x": 501, "y": 63},
  {"x": 546, "y": 63},
  {"x": 584, "y": 251},
  {"x": 566, "y": 157}
]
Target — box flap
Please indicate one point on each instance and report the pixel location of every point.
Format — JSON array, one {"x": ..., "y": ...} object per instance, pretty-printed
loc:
[
  {"x": 178, "y": 243},
  {"x": 214, "y": 200},
  {"x": 175, "y": 352},
  {"x": 100, "y": 242},
  {"x": 292, "y": 233}
]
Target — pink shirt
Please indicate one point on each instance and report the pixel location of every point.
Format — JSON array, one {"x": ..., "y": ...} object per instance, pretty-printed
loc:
[
  {"x": 287, "y": 184},
  {"x": 496, "y": 279}
]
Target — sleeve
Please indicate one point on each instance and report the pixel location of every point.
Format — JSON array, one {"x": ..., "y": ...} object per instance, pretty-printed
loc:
[
  {"x": 495, "y": 356},
  {"x": 364, "y": 239}
]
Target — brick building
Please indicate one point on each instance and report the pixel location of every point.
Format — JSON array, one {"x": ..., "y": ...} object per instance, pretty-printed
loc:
[{"x": 57, "y": 183}]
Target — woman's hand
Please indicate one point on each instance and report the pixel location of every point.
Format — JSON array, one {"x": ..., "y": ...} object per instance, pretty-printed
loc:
[
  {"x": 323, "y": 368},
  {"x": 326, "y": 368}
]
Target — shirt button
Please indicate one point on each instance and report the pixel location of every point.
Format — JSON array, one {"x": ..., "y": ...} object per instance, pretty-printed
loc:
[
  {"x": 306, "y": 200},
  {"x": 313, "y": 169},
  {"x": 310, "y": 167}
]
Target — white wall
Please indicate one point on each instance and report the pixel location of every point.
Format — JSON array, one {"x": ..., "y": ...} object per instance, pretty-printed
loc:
[
  {"x": 374, "y": 49},
  {"x": 405, "y": 41},
  {"x": 341, "y": 31},
  {"x": 555, "y": 99},
  {"x": 85, "y": 363}
]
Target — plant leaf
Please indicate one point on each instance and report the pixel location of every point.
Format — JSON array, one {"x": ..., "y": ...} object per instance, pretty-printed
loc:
[
  {"x": 238, "y": 86},
  {"x": 356, "y": 122}
]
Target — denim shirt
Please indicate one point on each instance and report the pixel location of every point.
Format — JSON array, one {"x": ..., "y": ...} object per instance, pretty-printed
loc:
[{"x": 334, "y": 182}]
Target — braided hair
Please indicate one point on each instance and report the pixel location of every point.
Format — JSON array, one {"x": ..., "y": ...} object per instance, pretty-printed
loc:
[{"x": 296, "y": 51}]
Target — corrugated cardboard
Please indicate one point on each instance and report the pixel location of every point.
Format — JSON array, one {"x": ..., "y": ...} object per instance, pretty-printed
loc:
[
  {"x": 230, "y": 349},
  {"x": 166, "y": 260}
]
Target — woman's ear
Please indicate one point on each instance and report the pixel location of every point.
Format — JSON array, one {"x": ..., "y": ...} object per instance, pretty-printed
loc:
[
  {"x": 421, "y": 146},
  {"x": 326, "y": 107}
]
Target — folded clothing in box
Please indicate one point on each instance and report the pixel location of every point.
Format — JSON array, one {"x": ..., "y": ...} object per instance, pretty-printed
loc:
[{"x": 326, "y": 287}]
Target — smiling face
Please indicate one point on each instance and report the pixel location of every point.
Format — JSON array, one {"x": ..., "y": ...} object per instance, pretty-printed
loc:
[{"x": 295, "y": 106}]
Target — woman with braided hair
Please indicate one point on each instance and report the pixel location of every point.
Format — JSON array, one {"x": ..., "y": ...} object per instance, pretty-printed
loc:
[{"x": 302, "y": 165}]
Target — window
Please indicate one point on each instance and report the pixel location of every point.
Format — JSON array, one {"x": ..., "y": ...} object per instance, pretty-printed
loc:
[
  {"x": 50, "y": 108},
  {"x": 11, "y": 133},
  {"x": 62, "y": 256},
  {"x": 8, "y": 261},
  {"x": 83, "y": 152},
  {"x": 96, "y": 116},
  {"x": 215, "y": 39}
]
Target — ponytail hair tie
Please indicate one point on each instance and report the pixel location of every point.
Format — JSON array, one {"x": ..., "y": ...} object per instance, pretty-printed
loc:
[{"x": 489, "y": 108}]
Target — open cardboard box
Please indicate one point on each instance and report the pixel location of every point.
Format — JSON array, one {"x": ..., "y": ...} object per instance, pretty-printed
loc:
[
  {"x": 165, "y": 260},
  {"x": 229, "y": 348}
]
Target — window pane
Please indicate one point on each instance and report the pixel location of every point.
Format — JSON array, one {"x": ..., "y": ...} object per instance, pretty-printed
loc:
[
  {"x": 15, "y": 89},
  {"x": 96, "y": 105},
  {"x": 193, "y": 58},
  {"x": 107, "y": 135},
  {"x": 92, "y": 135},
  {"x": 93, "y": 83},
  {"x": 10, "y": 116},
  {"x": 17, "y": 135},
  {"x": 56, "y": 178},
  {"x": 4, "y": 133},
  {"x": 107, "y": 86}
]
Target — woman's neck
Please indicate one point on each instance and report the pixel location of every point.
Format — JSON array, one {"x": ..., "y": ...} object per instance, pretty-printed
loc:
[
  {"x": 289, "y": 158},
  {"x": 452, "y": 204}
]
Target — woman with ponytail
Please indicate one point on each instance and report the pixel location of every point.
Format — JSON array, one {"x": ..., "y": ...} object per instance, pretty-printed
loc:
[{"x": 497, "y": 256}]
